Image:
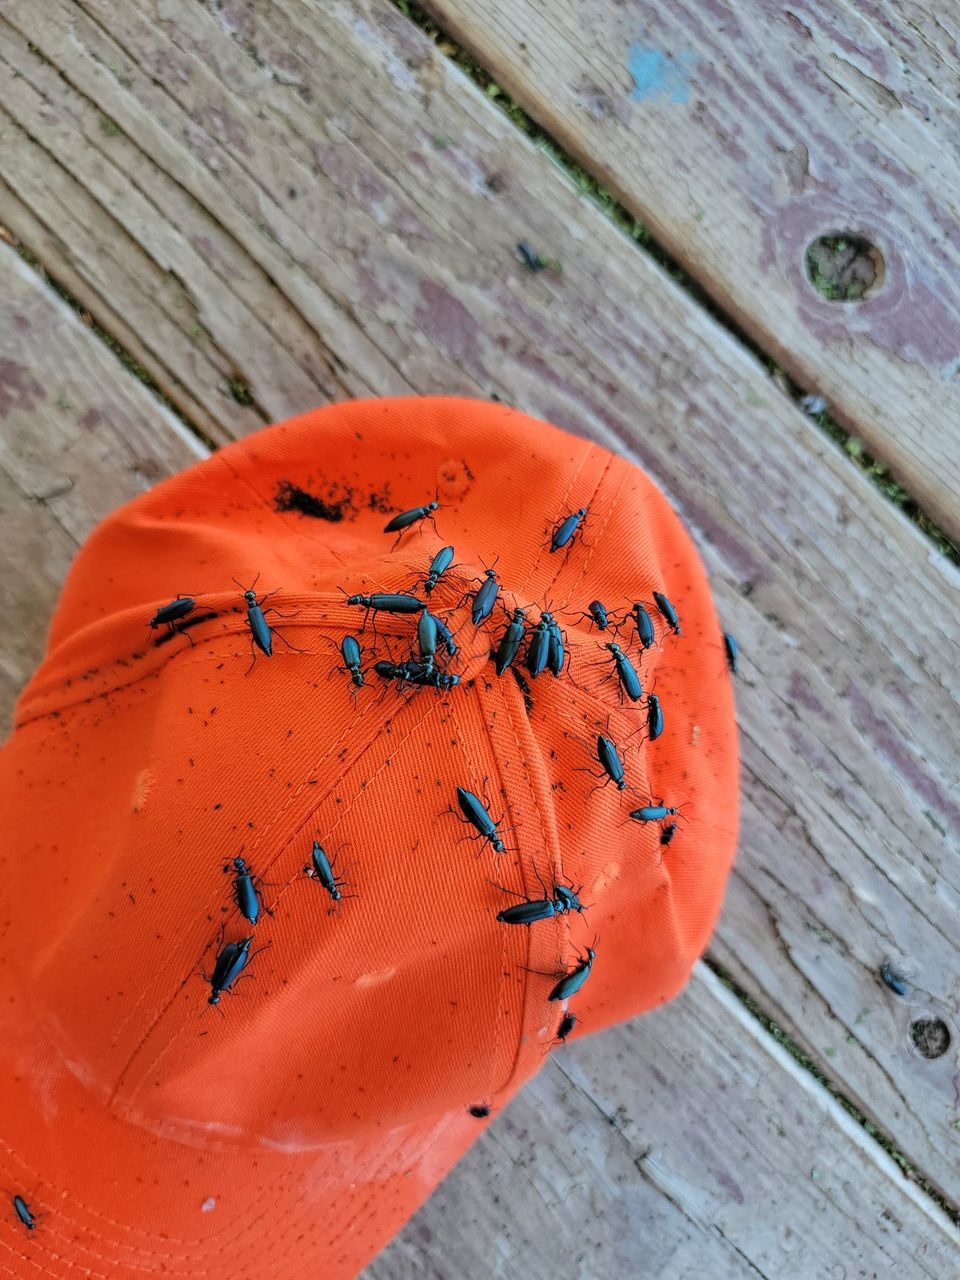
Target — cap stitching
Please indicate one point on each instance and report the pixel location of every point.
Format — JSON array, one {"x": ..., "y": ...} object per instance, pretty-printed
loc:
[
  {"x": 556, "y": 858},
  {"x": 133, "y": 681},
  {"x": 611, "y": 508},
  {"x": 44, "y": 1270},
  {"x": 587, "y": 453},
  {"x": 501, "y": 1004},
  {"x": 188, "y": 659},
  {"x": 113, "y": 1222},
  {"x": 151, "y": 1241},
  {"x": 347, "y": 769},
  {"x": 123, "y": 1229}
]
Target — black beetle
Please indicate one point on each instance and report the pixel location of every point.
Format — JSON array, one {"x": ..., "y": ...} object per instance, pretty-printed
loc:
[
  {"x": 440, "y": 563},
  {"x": 732, "y": 651},
  {"x": 610, "y": 761},
  {"x": 22, "y": 1210},
  {"x": 529, "y": 910},
  {"x": 415, "y": 673},
  {"x": 486, "y": 597},
  {"x": 627, "y": 677},
  {"x": 644, "y": 623},
  {"x": 405, "y": 519},
  {"x": 529, "y": 257},
  {"x": 668, "y": 611},
  {"x": 653, "y": 813},
  {"x": 538, "y": 650},
  {"x": 260, "y": 632},
  {"x": 555, "y": 650},
  {"x": 169, "y": 615},
  {"x": 510, "y": 642},
  {"x": 321, "y": 868},
  {"x": 566, "y": 529},
  {"x": 427, "y": 639},
  {"x": 445, "y": 635},
  {"x": 654, "y": 717},
  {"x": 434, "y": 679},
  {"x": 384, "y": 602},
  {"x": 567, "y": 1023},
  {"x": 893, "y": 980},
  {"x": 248, "y": 901},
  {"x": 350, "y": 652},
  {"x": 524, "y": 689},
  {"x": 598, "y": 613},
  {"x": 231, "y": 962},
  {"x": 572, "y": 982},
  {"x": 477, "y": 816}
]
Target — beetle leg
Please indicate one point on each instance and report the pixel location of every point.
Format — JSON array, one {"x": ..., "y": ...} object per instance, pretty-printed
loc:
[
  {"x": 281, "y": 636},
  {"x": 253, "y": 653}
]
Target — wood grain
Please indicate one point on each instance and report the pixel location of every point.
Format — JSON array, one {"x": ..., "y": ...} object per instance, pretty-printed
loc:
[
  {"x": 78, "y": 436},
  {"x": 740, "y": 133},
  {"x": 155, "y": 266},
  {"x": 35, "y": 552},
  {"x": 846, "y": 705},
  {"x": 721, "y": 1159}
]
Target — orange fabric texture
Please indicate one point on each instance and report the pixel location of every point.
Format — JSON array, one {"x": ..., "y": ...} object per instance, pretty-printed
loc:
[{"x": 290, "y": 1132}]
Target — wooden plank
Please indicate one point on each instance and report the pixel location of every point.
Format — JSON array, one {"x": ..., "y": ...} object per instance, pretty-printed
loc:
[
  {"x": 143, "y": 306},
  {"x": 739, "y": 134},
  {"x": 60, "y": 429},
  {"x": 78, "y": 436},
  {"x": 821, "y": 579},
  {"x": 35, "y": 552},
  {"x": 724, "y": 1161},
  {"x": 160, "y": 270}
]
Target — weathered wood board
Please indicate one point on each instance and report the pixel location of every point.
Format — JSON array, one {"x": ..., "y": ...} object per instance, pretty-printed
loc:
[
  {"x": 829, "y": 880},
  {"x": 739, "y": 133},
  {"x": 713, "y": 1167},
  {"x": 78, "y": 436}
]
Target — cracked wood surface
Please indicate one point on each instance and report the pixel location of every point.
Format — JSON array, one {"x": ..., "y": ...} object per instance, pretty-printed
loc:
[
  {"x": 739, "y": 133},
  {"x": 850, "y": 824}
]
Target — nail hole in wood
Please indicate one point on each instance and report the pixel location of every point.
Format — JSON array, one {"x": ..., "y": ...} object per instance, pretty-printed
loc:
[
  {"x": 843, "y": 267},
  {"x": 931, "y": 1037}
]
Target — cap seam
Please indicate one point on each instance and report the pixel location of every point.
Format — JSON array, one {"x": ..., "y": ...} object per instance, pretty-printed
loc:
[
  {"x": 501, "y": 1003},
  {"x": 186, "y": 660},
  {"x": 591, "y": 547},
  {"x": 549, "y": 841},
  {"x": 587, "y": 454}
]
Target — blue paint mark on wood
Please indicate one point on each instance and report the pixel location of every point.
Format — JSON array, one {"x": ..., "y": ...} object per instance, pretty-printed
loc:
[{"x": 656, "y": 71}]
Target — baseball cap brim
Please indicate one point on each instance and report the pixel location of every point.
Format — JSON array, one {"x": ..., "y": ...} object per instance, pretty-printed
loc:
[{"x": 100, "y": 1188}]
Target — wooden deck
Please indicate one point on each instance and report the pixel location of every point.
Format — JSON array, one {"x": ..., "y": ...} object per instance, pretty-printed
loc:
[{"x": 271, "y": 205}]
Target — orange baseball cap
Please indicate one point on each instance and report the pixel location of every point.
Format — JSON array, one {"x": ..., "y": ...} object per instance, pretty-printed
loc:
[{"x": 260, "y": 976}]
